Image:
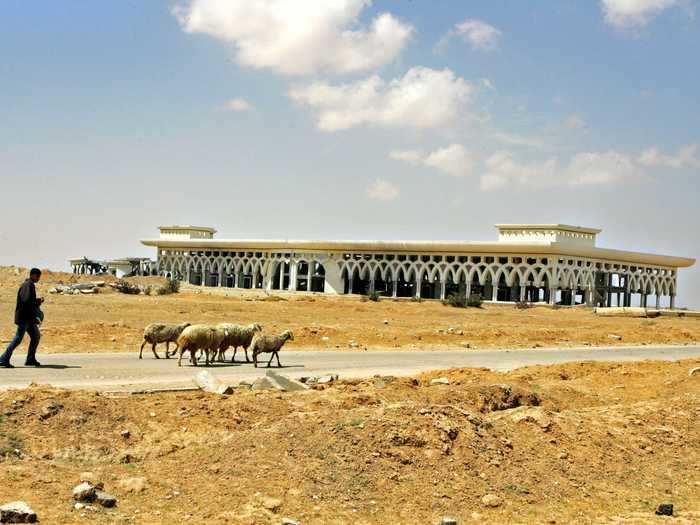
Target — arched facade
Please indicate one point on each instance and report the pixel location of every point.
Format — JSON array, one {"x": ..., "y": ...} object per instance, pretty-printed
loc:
[{"x": 560, "y": 266}]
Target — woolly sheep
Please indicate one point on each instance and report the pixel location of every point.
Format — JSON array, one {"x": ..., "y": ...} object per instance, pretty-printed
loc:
[
  {"x": 269, "y": 344},
  {"x": 237, "y": 336},
  {"x": 162, "y": 333},
  {"x": 200, "y": 337}
]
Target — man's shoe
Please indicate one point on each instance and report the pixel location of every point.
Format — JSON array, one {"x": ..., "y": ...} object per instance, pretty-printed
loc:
[
  {"x": 3, "y": 364},
  {"x": 32, "y": 363}
]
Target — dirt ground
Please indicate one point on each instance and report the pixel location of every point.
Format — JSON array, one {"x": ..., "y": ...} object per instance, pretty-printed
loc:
[
  {"x": 594, "y": 443},
  {"x": 111, "y": 321}
]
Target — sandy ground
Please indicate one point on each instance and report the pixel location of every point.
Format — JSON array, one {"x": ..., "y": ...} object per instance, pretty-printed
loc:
[
  {"x": 591, "y": 443},
  {"x": 114, "y": 322}
]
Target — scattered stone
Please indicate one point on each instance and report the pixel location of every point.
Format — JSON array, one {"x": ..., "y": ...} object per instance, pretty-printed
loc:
[
  {"x": 290, "y": 521},
  {"x": 326, "y": 379},
  {"x": 563, "y": 455},
  {"x": 530, "y": 415},
  {"x": 386, "y": 321},
  {"x": 17, "y": 512},
  {"x": 664, "y": 509},
  {"x": 88, "y": 477},
  {"x": 50, "y": 410},
  {"x": 466, "y": 344},
  {"x": 208, "y": 383},
  {"x": 133, "y": 484},
  {"x": 440, "y": 381},
  {"x": 79, "y": 506},
  {"x": 245, "y": 385},
  {"x": 353, "y": 344},
  {"x": 491, "y": 500},
  {"x": 378, "y": 382},
  {"x": 325, "y": 338},
  {"x": 615, "y": 337},
  {"x": 448, "y": 521},
  {"x": 265, "y": 383},
  {"x": 125, "y": 434},
  {"x": 85, "y": 492},
  {"x": 694, "y": 371},
  {"x": 105, "y": 499},
  {"x": 271, "y": 504},
  {"x": 287, "y": 384}
]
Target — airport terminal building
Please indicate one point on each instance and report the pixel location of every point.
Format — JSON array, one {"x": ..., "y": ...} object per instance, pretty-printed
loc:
[{"x": 550, "y": 263}]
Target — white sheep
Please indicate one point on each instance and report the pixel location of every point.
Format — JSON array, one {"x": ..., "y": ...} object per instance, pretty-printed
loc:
[
  {"x": 200, "y": 337},
  {"x": 237, "y": 335},
  {"x": 269, "y": 344},
  {"x": 156, "y": 333}
]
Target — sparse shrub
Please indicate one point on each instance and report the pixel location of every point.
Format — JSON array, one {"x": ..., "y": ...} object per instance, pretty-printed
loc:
[
  {"x": 474, "y": 301},
  {"x": 522, "y": 305},
  {"x": 127, "y": 288},
  {"x": 456, "y": 300},
  {"x": 148, "y": 290},
  {"x": 416, "y": 299},
  {"x": 373, "y": 296}
]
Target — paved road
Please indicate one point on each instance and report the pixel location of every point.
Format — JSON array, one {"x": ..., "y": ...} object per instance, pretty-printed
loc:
[{"x": 124, "y": 371}]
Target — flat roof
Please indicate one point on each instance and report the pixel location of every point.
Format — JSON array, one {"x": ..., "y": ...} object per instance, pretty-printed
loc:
[
  {"x": 188, "y": 228},
  {"x": 561, "y": 227},
  {"x": 442, "y": 247}
]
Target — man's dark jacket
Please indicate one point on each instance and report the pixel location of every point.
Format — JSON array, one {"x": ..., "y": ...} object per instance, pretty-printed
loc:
[{"x": 25, "y": 311}]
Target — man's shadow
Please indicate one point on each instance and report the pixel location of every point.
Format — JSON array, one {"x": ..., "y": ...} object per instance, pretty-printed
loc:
[{"x": 55, "y": 367}]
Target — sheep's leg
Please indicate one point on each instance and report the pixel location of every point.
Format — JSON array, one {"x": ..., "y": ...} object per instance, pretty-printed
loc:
[
  {"x": 141, "y": 351},
  {"x": 179, "y": 356},
  {"x": 154, "y": 350},
  {"x": 235, "y": 349},
  {"x": 271, "y": 358},
  {"x": 177, "y": 347},
  {"x": 277, "y": 354},
  {"x": 246, "y": 355},
  {"x": 255, "y": 358},
  {"x": 167, "y": 347}
]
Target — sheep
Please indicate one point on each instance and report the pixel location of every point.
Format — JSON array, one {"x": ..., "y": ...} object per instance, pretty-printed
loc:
[
  {"x": 200, "y": 337},
  {"x": 237, "y": 336},
  {"x": 162, "y": 333},
  {"x": 269, "y": 344}
]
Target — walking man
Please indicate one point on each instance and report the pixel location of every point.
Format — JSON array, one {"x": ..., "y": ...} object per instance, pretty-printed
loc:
[{"x": 27, "y": 318}]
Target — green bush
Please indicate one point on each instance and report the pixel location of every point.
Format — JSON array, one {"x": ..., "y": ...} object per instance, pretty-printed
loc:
[
  {"x": 128, "y": 288},
  {"x": 373, "y": 296},
  {"x": 522, "y": 305},
  {"x": 456, "y": 300}
]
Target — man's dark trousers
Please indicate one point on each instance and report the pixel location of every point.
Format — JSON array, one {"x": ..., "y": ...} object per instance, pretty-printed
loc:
[{"x": 34, "y": 337}]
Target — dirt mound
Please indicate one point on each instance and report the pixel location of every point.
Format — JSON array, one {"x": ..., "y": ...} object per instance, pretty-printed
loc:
[
  {"x": 395, "y": 451},
  {"x": 503, "y": 397}
]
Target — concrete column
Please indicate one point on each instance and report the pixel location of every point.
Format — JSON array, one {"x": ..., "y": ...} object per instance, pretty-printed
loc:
[
  {"x": 552, "y": 296},
  {"x": 523, "y": 293},
  {"x": 416, "y": 292},
  {"x": 572, "y": 299},
  {"x": 468, "y": 292},
  {"x": 281, "y": 281},
  {"x": 350, "y": 283},
  {"x": 673, "y": 302},
  {"x": 309, "y": 276},
  {"x": 371, "y": 285},
  {"x": 494, "y": 292},
  {"x": 658, "y": 301},
  {"x": 293, "y": 269},
  {"x": 222, "y": 278},
  {"x": 443, "y": 288},
  {"x": 395, "y": 288}
]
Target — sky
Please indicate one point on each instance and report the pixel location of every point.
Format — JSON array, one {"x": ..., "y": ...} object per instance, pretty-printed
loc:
[{"x": 347, "y": 119}]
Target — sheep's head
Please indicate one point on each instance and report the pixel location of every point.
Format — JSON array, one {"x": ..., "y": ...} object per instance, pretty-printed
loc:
[
  {"x": 287, "y": 334},
  {"x": 256, "y": 327},
  {"x": 182, "y": 326}
]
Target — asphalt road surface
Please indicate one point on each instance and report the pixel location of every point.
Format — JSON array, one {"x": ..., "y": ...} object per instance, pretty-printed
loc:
[{"x": 125, "y": 372}]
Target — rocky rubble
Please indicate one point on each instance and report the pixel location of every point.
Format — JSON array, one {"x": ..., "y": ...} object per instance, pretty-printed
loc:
[{"x": 17, "y": 512}]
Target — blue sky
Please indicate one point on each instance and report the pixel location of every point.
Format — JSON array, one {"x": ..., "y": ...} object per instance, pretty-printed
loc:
[{"x": 452, "y": 116}]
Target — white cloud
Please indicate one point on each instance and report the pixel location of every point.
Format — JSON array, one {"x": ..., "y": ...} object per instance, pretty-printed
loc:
[
  {"x": 477, "y": 33},
  {"x": 408, "y": 156},
  {"x": 624, "y": 14},
  {"x": 502, "y": 170},
  {"x": 590, "y": 169},
  {"x": 517, "y": 140},
  {"x": 686, "y": 157},
  {"x": 575, "y": 121},
  {"x": 239, "y": 104},
  {"x": 382, "y": 190},
  {"x": 298, "y": 37},
  {"x": 601, "y": 168},
  {"x": 453, "y": 160},
  {"x": 422, "y": 98}
]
